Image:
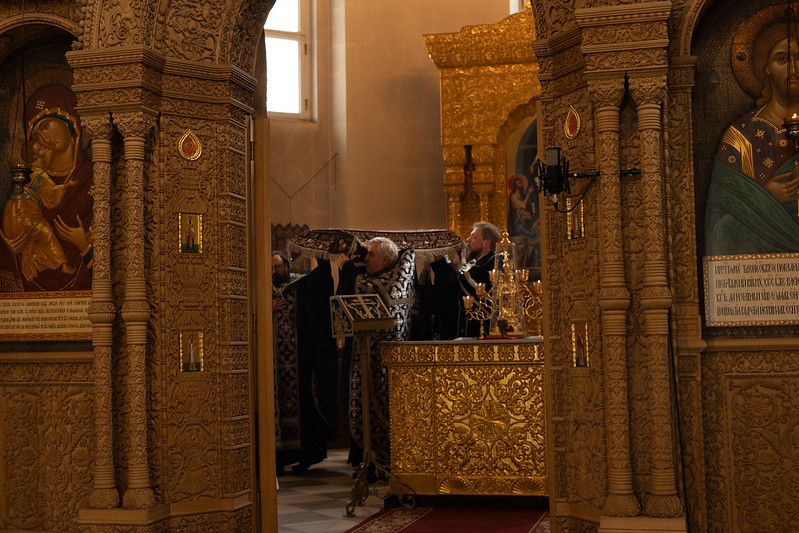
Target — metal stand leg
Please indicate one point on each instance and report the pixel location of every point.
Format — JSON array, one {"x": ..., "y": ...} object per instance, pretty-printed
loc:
[{"x": 360, "y": 489}]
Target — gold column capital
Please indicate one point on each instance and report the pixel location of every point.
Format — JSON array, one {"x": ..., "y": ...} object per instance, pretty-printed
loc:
[
  {"x": 606, "y": 92},
  {"x": 97, "y": 127},
  {"x": 134, "y": 123},
  {"x": 648, "y": 89}
]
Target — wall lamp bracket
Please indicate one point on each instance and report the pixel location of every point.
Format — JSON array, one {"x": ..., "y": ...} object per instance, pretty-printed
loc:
[{"x": 554, "y": 177}]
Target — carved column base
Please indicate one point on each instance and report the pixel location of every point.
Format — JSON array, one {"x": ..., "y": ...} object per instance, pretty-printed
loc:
[
  {"x": 104, "y": 499},
  {"x": 665, "y": 506},
  {"x": 637, "y": 524},
  {"x": 138, "y": 499},
  {"x": 116, "y": 520},
  {"x": 621, "y": 505}
]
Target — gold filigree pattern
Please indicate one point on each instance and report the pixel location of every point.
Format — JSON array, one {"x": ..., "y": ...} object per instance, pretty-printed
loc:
[{"x": 481, "y": 405}]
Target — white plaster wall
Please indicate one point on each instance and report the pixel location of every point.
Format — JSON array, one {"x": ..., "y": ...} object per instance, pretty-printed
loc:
[
  {"x": 378, "y": 114},
  {"x": 300, "y": 151}
]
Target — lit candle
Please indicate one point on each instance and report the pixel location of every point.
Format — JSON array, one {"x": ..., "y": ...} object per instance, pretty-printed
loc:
[{"x": 467, "y": 302}]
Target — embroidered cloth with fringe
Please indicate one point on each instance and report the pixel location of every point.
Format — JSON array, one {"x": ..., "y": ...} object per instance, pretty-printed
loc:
[{"x": 428, "y": 245}]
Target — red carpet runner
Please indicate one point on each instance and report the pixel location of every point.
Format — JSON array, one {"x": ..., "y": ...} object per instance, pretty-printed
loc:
[{"x": 454, "y": 519}]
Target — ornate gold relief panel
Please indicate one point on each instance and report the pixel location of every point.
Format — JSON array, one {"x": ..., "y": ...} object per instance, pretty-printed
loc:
[
  {"x": 467, "y": 418},
  {"x": 762, "y": 444},
  {"x": 750, "y": 426},
  {"x": 46, "y": 443},
  {"x": 185, "y": 32}
]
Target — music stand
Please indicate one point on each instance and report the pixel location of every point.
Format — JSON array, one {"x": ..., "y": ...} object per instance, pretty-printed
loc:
[{"x": 361, "y": 316}]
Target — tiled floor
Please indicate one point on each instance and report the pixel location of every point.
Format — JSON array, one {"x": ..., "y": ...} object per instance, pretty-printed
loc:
[{"x": 315, "y": 500}]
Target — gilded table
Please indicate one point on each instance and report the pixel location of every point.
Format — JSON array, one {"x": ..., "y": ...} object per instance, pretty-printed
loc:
[{"x": 467, "y": 417}]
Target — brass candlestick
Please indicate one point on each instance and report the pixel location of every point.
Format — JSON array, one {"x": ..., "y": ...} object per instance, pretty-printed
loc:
[
  {"x": 531, "y": 302},
  {"x": 478, "y": 307}
]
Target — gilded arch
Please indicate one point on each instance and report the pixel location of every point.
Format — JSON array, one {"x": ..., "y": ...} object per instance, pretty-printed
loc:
[{"x": 488, "y": 77}]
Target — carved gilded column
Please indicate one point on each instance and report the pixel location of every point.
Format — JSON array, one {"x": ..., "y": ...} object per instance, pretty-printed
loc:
[
  {"x": 662, "y": 500},
  {"x": 135, "y": 126},
  {"x": 454, "y": 185},
  {"x": 614, "y": 299},
  {"x": 102, "y": 311},
  {"x": 483, "y": 180},
  {"x": 484, "y": 196},
  {"x": 454, "y": 208}
]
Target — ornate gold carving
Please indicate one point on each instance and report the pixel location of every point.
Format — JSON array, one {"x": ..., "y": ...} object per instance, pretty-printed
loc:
[
  {"x": 93, "y": 77},
  {"x": 552, "y": 17},
  {"x": 642, "y": 34},
  {"x": 487, "y": 73},
  {"x": 489, "y": 44},
  {"x": 582, "y": 479},
  {"x": 120, "y": 24},
  {"x": 136, "y": 125},
  {"x": 249, "y": 31},
  {"x": 481, "y": 405},
  {"x": 747, "y": 400},
  {"x": 607, "y": 92},
  {"x": 47, "y": 427},
  {"x": 239, "y": 520},
  {"x": 679, "y": 180},
  {"x": 193, "y": 34},
  {"x": 609, "y": 61},
  {"x": 125, "y": 66},
  {"x": 655, "y": 299},
  {"x": 648, "y": 90}
]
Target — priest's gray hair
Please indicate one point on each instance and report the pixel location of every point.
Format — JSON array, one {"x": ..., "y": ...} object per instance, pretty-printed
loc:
[{"x": 386, "y": 247}]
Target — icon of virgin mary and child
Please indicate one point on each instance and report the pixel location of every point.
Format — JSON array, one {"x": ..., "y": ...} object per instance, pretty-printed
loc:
[
  {"x": 754, "y": 187},
  {"x": 47, "y": 215}
]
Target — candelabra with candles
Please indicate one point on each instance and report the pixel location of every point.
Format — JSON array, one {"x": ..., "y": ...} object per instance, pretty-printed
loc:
[
  {"x": 532, "y": 304},
  {"x": 478, "y": 307},
  {"x": 511, "y": 300},
  {"x": 507, "y": 318}
]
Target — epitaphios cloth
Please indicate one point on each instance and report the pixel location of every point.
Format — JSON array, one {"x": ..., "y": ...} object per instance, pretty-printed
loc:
[{"x": 428, "y": 245}]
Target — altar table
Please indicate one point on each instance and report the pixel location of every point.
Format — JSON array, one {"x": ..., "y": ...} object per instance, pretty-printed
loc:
[{"x": 467, "y": 417}]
